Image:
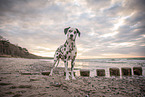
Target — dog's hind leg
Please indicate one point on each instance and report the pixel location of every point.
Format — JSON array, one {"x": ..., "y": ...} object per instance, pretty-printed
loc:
[
  {"x": 56, "y": 60},
  {"x": 54, "y": 66},
  {"x": 57, "y": 63}
]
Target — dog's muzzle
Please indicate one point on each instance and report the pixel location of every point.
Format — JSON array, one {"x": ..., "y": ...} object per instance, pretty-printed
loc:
[{"x": 71, "y": 36}]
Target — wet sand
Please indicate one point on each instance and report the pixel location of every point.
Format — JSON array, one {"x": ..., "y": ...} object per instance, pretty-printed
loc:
[{"x": 23, "y": 78}]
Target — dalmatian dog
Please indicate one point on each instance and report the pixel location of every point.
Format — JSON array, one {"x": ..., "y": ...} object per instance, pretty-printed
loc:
[{"x": 67, "y": 51}]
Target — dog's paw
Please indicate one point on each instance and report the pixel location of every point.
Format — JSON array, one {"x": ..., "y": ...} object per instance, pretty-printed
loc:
[
  {"x": 50, "y": 74},
  {"x": 73, "y": 78},
  {"x": 67, "y": 79}
]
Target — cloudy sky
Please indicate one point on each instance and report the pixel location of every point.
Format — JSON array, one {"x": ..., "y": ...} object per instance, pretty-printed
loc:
[{"x": 109, "y": 28}]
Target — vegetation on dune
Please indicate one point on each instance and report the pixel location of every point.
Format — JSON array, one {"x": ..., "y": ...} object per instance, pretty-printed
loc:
[{"x": 8, "y": 49}]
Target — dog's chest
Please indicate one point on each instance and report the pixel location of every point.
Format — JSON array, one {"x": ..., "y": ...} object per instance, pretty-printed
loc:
[{"x": 67, "y": 51}]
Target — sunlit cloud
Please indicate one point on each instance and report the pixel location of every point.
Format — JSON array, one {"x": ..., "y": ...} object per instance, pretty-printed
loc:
[
  {"x": 109, "y": 34},
  {"x": 123, "y": 44}
]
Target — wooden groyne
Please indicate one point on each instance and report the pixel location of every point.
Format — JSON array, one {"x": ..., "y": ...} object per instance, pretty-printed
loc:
[{"x": 113, "y": 71}]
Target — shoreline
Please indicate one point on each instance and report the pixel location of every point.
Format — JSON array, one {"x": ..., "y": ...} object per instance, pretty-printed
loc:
[{"x": 14, "y": 84}]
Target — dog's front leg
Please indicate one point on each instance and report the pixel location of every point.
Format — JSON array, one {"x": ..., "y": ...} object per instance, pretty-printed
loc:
[
  {"x": 72, "y": 69},
  {"x": 66, "y": 70}
]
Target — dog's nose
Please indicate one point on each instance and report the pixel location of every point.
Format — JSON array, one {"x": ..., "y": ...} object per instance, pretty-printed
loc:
[{"x": 71, "y": 35}]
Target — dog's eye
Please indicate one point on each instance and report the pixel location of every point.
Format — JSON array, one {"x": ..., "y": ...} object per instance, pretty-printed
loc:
[
  {"x": 74, "y": 32},
  {"x": 70, "y": 30}
]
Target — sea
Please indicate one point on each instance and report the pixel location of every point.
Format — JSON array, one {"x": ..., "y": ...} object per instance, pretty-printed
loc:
[{"x": 106, "y": 63}]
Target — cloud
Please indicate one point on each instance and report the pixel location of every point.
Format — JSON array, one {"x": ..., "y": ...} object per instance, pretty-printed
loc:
[
  {"x": 97, "y": 4},
  {"x": 107, "y": 26}
]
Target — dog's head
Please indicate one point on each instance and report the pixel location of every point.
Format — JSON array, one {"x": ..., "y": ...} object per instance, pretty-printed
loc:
[{"x": 71, "y": 33}]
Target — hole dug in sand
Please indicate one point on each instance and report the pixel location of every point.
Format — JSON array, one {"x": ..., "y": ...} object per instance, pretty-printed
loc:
[
  {"x": 45, "y": 73},
  {"x": 26, "y": 73}
]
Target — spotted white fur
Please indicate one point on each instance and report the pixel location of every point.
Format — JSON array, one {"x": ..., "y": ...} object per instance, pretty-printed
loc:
[{"x": 67, "y": 51}]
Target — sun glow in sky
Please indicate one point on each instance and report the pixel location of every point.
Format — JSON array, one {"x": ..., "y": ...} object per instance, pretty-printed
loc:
[{"x": 109, "y": 28}]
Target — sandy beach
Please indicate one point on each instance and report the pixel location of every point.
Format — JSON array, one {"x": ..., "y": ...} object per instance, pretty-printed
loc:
[{"x": 23, "y": 78}]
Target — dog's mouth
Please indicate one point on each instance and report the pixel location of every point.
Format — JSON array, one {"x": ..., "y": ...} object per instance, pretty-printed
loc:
[{"x": 71, "y": 38}]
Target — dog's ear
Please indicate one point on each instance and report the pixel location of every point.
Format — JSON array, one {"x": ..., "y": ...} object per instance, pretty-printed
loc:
[
  {"x": 65, "y": 30},
  {"x": 78, "y": 32}
]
